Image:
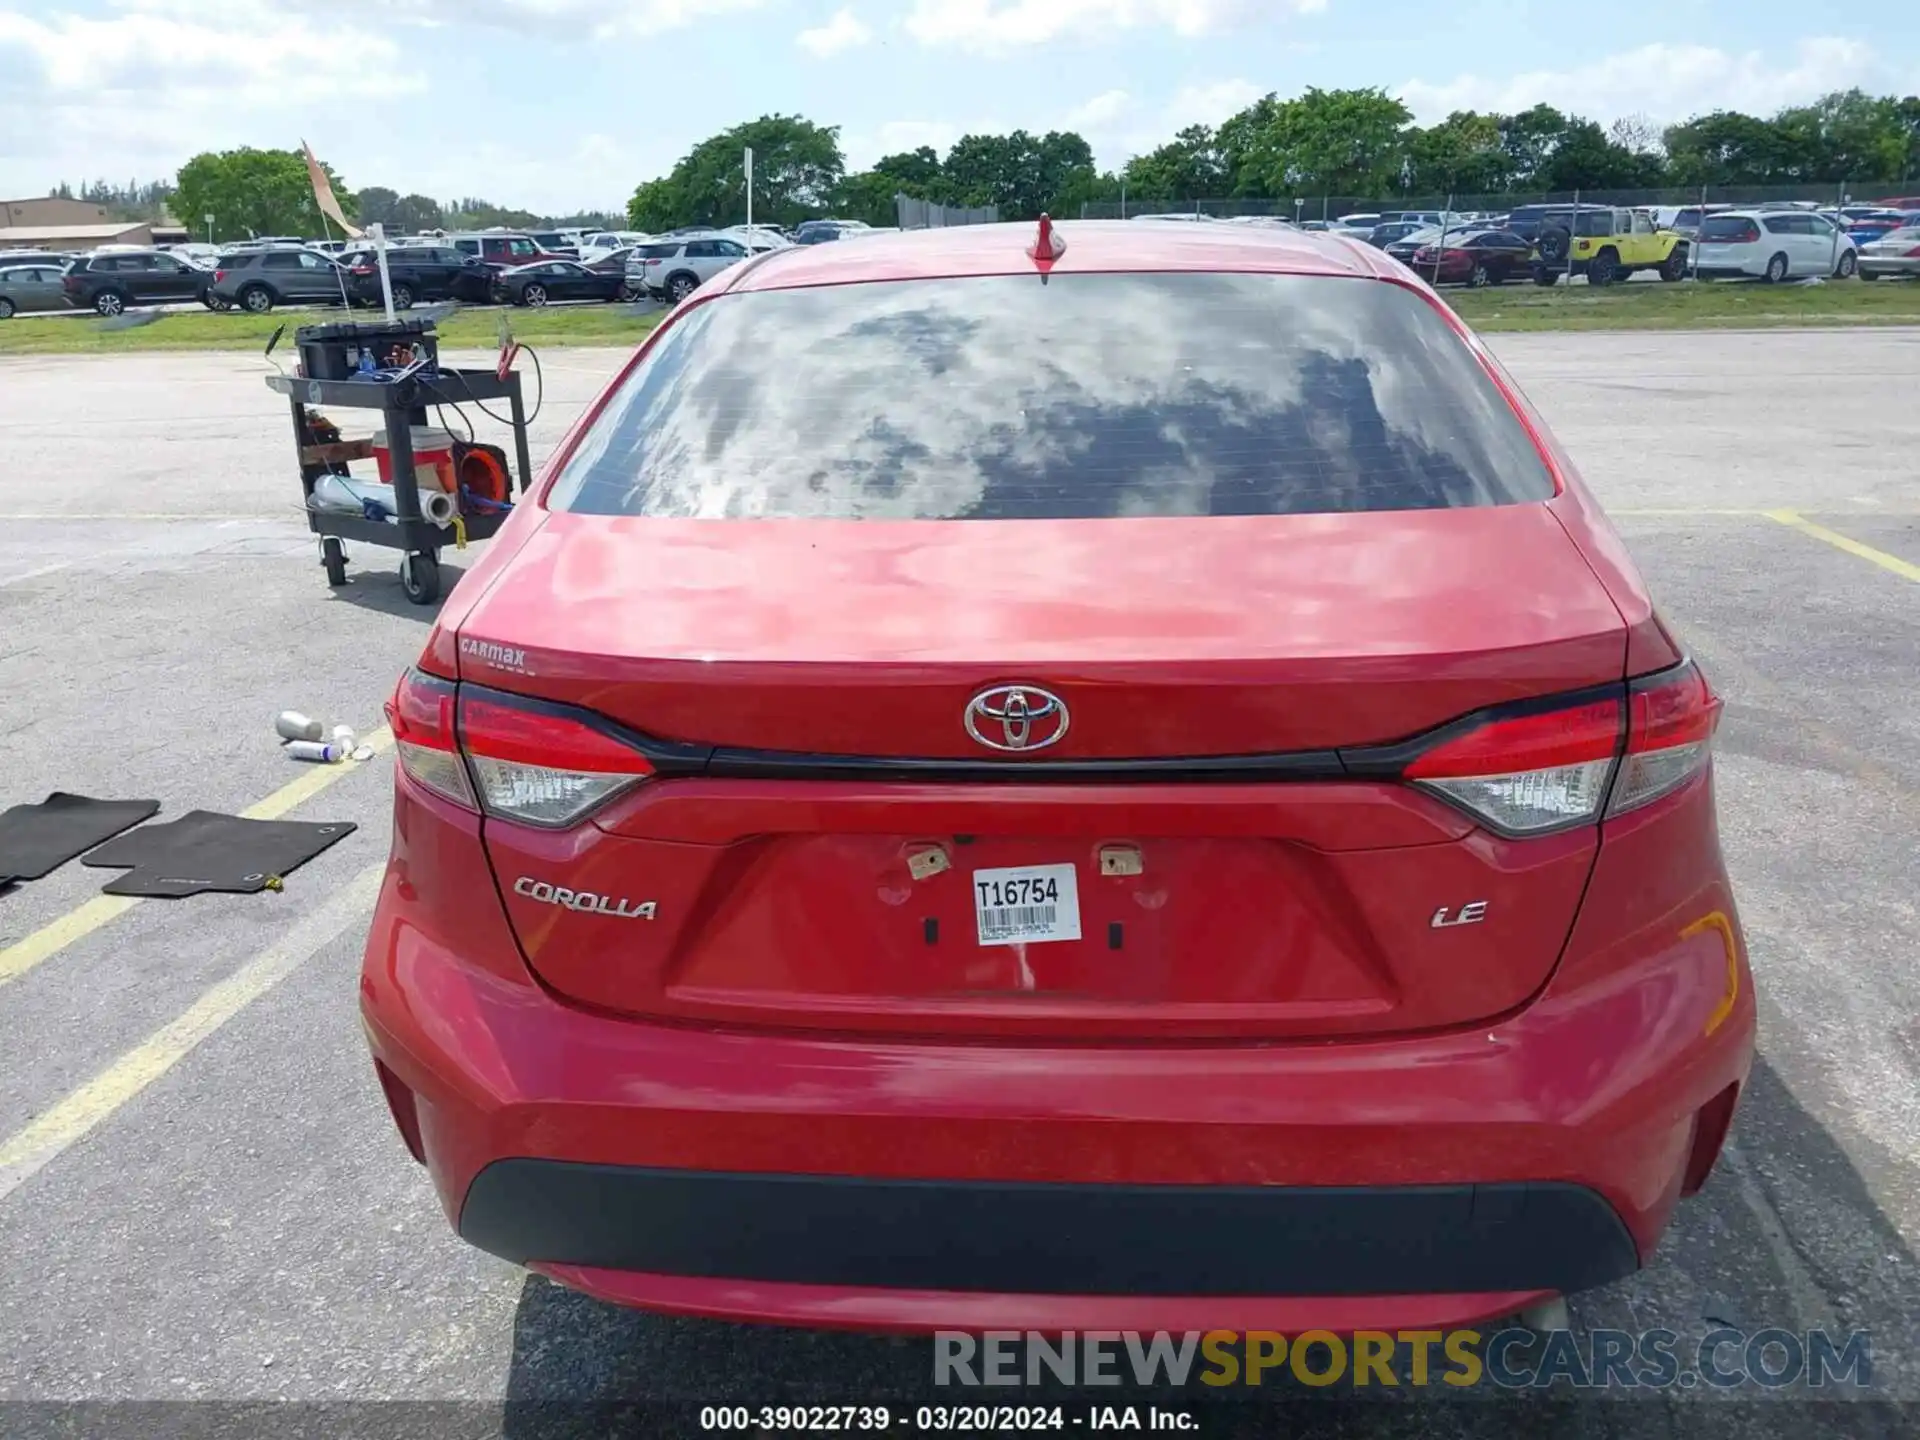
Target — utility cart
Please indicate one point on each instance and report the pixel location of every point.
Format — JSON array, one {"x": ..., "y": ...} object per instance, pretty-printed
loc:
[{"x": 331, "y": 378}]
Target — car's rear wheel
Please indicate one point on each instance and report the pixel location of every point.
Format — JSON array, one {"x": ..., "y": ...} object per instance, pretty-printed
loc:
[
  {"x": 256, "y": 299},
  {"x": 681, "y": 286},
  {"x": 1675, "y": 267},
  {"x": 628, "y": 294},
  {"x": 1776, "y": 269},
  {"x": 403, "y": 297},
  {"x": 109, "y": 303},
  {"x": 534, "y": 295},
  {"x": 1543, "y": 277},
  {"x": 1603, "y": 269},
  {"x": 1849, "y": 264},
  {"x": 1479, "y": 277},
  {"x": 6, "y": 308}
]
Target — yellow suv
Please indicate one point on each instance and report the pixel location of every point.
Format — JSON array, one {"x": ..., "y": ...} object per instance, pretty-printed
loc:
[{"x": 1605, "y": 243}]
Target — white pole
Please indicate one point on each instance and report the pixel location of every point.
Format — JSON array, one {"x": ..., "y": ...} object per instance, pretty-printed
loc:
[
  {"x": 749, "y": 189},
  {"x": 379, "y": 233}
]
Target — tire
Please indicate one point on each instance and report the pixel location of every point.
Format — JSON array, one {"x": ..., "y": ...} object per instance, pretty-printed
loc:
[
  {"x": 403, "y": 297},
  {"x": 1603, "y": 269},
  {"x": 1849, "y": 265},
  {"x": 256, "y": 299},
  {"x": 628, "y": 295},
  {"x": 109, "y": 303},
  {"x": 6, "y": 308},
  {"x": 333, "y": 556},
  {"x": 1554, "y": 243},
  {"x": 535, "y": 295},
  {"x": 1479, "y": 277},
  {"x": 420, "y": 576},
  {"x": 680, "y": 286},
  {"x": 214, "y": 303},
  {"x": 1545, "y": 278},
  {"x": 1776, "y": 269},
  {"x": 1675, "y": 265}
]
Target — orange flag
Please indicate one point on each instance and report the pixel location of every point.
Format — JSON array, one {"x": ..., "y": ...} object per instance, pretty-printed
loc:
[{"x": 323, "y": 193}]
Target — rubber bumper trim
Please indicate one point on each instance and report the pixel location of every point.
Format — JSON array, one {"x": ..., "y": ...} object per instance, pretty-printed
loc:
[{"x": 1049, "y": 1238}]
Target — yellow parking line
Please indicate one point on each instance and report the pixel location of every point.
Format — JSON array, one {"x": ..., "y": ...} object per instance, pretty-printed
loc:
[
  {"x": 72, "y": 1118},
  {"x": 50, "y": 939},
  {"x": 1793, "y": 519}
]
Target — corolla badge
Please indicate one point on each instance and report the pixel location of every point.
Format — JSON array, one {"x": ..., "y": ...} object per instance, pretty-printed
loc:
[
  {"x": 583, "y": 900},
  {"x": 1016, "y": 717}
]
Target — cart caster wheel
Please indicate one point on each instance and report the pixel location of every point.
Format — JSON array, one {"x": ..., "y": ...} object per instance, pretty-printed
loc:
[
  {"x": 420, "y": 577},
  {"x": 333, "y": 556}
]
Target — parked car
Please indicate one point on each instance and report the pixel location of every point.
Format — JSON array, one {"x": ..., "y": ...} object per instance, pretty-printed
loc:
[
  {"x": 1773, "y": 245},
  {"x": 1893, "y": 255},
  {"x": 1410, "y": 244},
  {"x": 1871, "y": 226},
  {"x": 615, "y": 262},
  {"x": 1385, "y": 233},
  {"x": 671, "y": 270},
  {"x": 820, "y": 232},
  {"x": 31, "y": 287},
  {"x": 1603, "y": 243},
  {"x": 258, "y": 280},
  {"x": 502, "y": 249},
  {"x": 111, "y": 282},
  {"x": 1474, "y": 258},
  {"x": 418, "y": 272},
  {"x": 548, "y": 280},
  {"x": 556, "y": 242},
  {"x": 752, "y": 995}
]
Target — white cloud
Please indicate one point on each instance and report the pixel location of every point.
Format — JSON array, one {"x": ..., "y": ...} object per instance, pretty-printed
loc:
[
  {"x": 1100, "y": 112},
  {"x": 552, "y": 19},
  {"x": 999, "y": 25},
  {"x": 1668, "y": 82},
  {"x": 841, "y": 32}
]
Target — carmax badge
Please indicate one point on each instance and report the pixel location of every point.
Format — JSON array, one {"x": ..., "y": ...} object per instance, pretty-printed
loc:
[{"x": 584, "y": 901}]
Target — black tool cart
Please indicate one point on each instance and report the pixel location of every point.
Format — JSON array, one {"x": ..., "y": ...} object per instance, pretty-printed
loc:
[{"x": 401, "y": 378}]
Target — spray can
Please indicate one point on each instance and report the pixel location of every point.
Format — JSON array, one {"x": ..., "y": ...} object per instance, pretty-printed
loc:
[
  {"x": 292, "y": 725},
  {"x": 319, "y": 750}
]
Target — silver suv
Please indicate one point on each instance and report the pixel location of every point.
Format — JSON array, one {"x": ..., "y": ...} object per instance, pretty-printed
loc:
[{"x": 673, "y": 269}]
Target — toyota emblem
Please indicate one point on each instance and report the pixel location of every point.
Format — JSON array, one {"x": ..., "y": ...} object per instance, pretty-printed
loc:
[{"x": 1016, "y": 717}]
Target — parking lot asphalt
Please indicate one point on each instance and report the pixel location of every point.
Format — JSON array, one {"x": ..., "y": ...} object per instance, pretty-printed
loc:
[{"x": 202, "y": 1198}]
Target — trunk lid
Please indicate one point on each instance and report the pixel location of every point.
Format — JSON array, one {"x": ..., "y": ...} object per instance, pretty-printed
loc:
[{"x": 876, "y": 897}]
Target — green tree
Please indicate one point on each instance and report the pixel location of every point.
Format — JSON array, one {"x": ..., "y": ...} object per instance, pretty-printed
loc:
[
  {"x": 869, "y": 195},
  {"x": 1022, "y": 174},
  {"x": 1237, "y": 141},
  {"x": 1530, "y": 138},
  {"x": 1462, "y": 155},
  {"x": 1334, "y": 142},
  {"x": 1189, "y": 167},
  {"x": 1724, "y": 148},
  {"x": 375, "y": 205},
  {"x": 414, "y": 213},
  {"x": 1585, "y": 159},
  {"x": 253, "y": 192},
  {"x": 797, "y": 167}
]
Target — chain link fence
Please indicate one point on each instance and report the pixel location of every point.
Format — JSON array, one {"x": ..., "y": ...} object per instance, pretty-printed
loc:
[
  {"x": 926, "y": 215},
  {"x": 1332, "y": 207}
]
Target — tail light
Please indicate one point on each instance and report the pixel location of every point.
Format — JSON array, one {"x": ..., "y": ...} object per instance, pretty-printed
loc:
[
  {"x": 1528, "y": 774},
  {"x": 1914, "y": 253},
  {"x": 1748, "y": 235},
  {"x": 541, "y": 768},
  {"x": 421, "y": 716},
  {"x": 1547, "y": 770},
  {"x": 218, "y": 276},
  {"x": 1672, "y": 717},
  {"x": 517, "y": 761},
  {"x": 362, "y": 270}
]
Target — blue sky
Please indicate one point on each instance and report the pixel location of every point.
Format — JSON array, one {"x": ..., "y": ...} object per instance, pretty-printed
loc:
[{"x": 560, "y": 104}]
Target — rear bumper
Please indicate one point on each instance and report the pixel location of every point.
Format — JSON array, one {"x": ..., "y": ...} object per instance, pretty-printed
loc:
[
  {"x": 914, "y": 1184},
  {"x": 1049, "y": 1239},
  {"x": 1873, "y": 267}
]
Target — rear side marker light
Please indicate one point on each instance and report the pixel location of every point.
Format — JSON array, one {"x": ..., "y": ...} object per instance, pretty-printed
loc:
[{"x": 1536, "y": 773}]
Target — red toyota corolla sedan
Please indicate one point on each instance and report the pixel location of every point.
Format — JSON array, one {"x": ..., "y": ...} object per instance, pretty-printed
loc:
[{"x": 1107, "y": 778}]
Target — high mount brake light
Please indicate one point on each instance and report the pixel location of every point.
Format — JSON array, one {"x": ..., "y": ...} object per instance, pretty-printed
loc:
[
  {"x": 1535, "y": 773},
  {"x": 521, "y": 763}
]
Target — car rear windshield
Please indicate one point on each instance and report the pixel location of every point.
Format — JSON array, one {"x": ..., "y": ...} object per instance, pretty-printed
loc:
[
  {"x": 1726, "y": 227},
  {"x": 657, "y": 252},
  {"x": 1092, "y": 396}
]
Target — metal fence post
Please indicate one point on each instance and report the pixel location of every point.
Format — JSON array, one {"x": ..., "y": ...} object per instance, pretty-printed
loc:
[{"x": 1573, "y": 233}]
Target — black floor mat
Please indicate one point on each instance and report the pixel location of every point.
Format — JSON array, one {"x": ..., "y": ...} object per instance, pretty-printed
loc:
[
  {"x": 36, "y": 840},
  {"x": 204, "y": 851}
]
